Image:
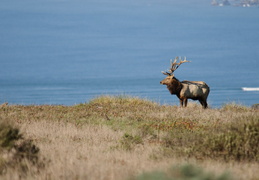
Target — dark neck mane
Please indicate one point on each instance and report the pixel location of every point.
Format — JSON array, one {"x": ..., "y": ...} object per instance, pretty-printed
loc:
[{"x": 175, "y": 87}]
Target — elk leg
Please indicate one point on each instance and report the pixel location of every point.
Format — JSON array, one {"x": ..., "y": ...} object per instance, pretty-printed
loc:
[
  {"x": 181, "y": 102},
  {"x": 203, "y": 103},
  {"x": 185, "y": 102}
]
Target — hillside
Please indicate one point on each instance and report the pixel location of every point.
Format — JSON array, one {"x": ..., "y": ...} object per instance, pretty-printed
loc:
[{"x": 123, "y": 137}]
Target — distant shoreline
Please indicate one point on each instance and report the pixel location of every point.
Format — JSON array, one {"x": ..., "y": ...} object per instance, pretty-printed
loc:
[{"x": 237, "y": 3}]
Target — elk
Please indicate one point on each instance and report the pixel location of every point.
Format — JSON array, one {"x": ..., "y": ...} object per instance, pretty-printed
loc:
[{"x": 184, "y": 90}]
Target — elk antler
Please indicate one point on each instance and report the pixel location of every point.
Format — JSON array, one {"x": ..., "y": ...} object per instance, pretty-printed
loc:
[{"x": 175, "y": 65}]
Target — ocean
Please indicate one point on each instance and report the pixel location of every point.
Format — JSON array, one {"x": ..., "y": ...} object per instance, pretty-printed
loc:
[{"x": 69, "y": 52}]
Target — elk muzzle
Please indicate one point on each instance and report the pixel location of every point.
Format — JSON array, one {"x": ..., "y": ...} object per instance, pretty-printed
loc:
[{"x": 162, "y": 82}]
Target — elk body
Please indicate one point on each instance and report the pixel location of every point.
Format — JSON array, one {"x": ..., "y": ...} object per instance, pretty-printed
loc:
[{"x": 184, "y": 90}]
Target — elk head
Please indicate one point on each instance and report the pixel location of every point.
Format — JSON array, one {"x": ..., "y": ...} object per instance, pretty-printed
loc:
[
  {"x": 173, "y": 85},
  {"x": 170, "y": 76}
]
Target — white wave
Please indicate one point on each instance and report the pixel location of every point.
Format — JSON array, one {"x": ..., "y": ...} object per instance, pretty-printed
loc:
[{"x": 250, "y": 88}]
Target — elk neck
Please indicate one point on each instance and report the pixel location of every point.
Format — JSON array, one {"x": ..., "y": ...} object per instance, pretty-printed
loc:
[{"x": 175, "y": 86}]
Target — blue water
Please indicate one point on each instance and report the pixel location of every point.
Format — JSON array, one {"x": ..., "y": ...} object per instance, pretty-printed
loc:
[{"x": 68, "y": 52}]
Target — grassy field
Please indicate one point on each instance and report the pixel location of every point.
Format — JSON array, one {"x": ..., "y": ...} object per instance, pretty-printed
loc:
[{"x": 127, "y": 138}]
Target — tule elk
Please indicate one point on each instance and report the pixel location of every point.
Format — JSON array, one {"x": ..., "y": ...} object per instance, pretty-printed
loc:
[{"x": 184, "y": 90}]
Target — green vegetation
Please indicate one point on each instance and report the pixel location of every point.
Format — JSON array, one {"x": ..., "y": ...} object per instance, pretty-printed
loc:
[
  {"x": 8, "y": 135},
  {"x": 185, "y": 172},
  {"x": 128, "y": 141},
  {"x": 16, "y": 152},
  {"x": 227, "y": 134}
]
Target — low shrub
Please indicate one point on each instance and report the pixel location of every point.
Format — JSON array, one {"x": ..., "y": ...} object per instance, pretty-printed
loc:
[
  {"x": 128, "y": 141},
  {"x": 240, "y": 142},
  {"x": 8, "y": 135},
  {"x": 184, "y": 172},
  {"x": 15, "y": 151},
  {"x": 237, "y": 142}
]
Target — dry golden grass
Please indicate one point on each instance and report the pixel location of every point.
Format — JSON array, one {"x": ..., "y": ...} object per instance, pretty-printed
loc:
[{"x": 114, "y": 138}]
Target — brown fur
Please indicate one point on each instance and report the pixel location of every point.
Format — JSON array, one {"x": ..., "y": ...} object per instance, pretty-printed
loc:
[{"x": 195, "y": 90}]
